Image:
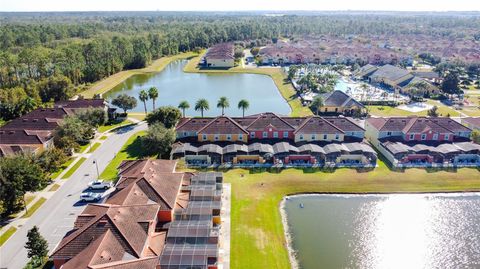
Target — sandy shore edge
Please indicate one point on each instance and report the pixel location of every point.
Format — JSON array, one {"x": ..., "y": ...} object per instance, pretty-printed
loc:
[{"x": 292, "y": 254}]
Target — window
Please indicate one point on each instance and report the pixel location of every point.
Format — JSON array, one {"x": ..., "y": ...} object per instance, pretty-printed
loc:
[
  {"x": 240, "y": 137},
  {"x": 265, "y": 134},
  {"x": 412, "y": 136},
  {"x": 285, "y": 134},
  {"x": 424, "y": 136},
  {"x": 184, "y": 133},
  {"x": 313, "y": 136},
  {"x": 229, "y": 137},
  {"x": 324, "y": 137},
  {"x": 435, "y": 136},
  {"x": 216, "y": 137},
  {"x": 447, "y": 137},
  {"x": 252, "y": 135},
  {"x": 389, "y": 133},
  {"x": 275, "y": 134},
  {"x": 336, "y": 109},
  {"x": 204, "y": 137},
  {"x": 337, "y": 136},
  {"x": 301, "y": 137},
  {"x": 326, "y": 109}
]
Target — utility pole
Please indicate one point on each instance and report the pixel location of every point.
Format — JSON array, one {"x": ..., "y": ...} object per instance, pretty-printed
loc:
[{"x": 96, "y": 165}]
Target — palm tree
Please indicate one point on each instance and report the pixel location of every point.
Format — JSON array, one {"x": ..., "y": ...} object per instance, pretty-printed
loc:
[
  {"x": 223, "y": 103},
  {"x": 184, "y": 105},
  {"x": 243, "y": 105},
  {"x": 153, "y": 94},
  {"x": 202, "y": 105},
  {"x": 143, "y": 96},
  {"x": 364, "y": 87},
  {"x": 317, "y": 104}
]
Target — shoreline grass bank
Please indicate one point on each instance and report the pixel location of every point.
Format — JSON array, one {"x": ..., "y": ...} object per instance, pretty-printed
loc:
[
  {"x": 105, "y": 85},
  {"x": 284, "y": 87},
  {"x": 258, "y": 236}
]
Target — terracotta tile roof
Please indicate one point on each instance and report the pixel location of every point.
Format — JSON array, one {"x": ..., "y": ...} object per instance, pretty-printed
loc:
[
  {"x": 22, "y": 137},
  {"x": 222, "y": 125},
  {"x": 220, "y": 51},
  {"x": 128, "y": 224},
  {"x": 31, "y": 124},
  {"x": 417, "y": 124},
  {"x": 316, "y": 124},
  {"x": 269, "y": 119},
  {"x": 81, "y": 103},
  {"x": 192, "y": 124},
  {"x": 345, "y": 124}
]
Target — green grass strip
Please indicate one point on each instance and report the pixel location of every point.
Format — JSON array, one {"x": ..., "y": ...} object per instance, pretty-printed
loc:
[
  {"x": 34, "y": 207},
  {"x": 74, "y": 168},
  {"x": 7, "y": 234},
  {"x": 94, "y": 147}
]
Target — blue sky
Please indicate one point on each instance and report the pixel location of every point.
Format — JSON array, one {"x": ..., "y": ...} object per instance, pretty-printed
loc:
[{"x": 220, "y": 5}]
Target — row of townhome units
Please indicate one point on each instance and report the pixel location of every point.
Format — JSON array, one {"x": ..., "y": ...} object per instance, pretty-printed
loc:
[
  {"x": 423, "y": 142},
  {"x": 155, "y": 218},
  {"x": 268, "y": 139}
]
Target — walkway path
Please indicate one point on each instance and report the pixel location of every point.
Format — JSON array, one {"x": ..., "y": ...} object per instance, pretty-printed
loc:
[{"x": 56, "y": 216}]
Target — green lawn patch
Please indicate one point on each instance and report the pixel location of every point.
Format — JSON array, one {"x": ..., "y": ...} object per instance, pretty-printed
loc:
[
  {"x": 63, "y": 167},
  {"x": 257, "y": 238},
  {"x": 34, "y": 207},
  {"x": 108, "y": 127},
  {"x": 7, "y": 234},
  {"x": 131, "y": 150},
  {"x": 94, "y": 147},
  {"x": 74, "y": 168},
  {"x": 104, "y": 137},
  {"x": 137, "y": 115},
  {"x": 83, "y": 148},
  {"x": 54, "y": 187}
]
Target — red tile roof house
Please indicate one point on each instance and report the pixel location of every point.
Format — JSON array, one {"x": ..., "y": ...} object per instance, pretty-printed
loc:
[
  {"x": 264, "y": 127},
  {"x": 422, "y": 141},
  {"x": 33, "y": 132},
  {"x": 150, "y": 181},
  {"x": 112, "y": 236},
  {"x": 220, "y": 55}
]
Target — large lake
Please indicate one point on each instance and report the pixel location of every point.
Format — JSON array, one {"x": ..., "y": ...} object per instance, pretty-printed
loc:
[
  {"x": 386, "y": 231},
  {"x": 174, "y": 86}
]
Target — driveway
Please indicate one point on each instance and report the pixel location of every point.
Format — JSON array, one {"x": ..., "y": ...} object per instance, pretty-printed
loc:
[{"x": 58, "y": 214}]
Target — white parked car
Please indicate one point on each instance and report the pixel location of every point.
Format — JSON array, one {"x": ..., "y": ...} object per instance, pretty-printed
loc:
[
  {"x": 99, "y": 184},
  {"x": 90, "y": 197}
]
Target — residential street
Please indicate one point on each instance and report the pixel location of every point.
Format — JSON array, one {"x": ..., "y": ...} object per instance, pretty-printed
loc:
[{"x": 58, "y": 213}]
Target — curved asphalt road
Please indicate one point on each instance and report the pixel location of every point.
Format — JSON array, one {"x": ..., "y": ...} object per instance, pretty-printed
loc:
[{"x": 57, "y": 214}]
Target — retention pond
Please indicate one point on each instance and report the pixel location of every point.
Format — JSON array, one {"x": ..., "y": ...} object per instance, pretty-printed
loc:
[{"x": 384, "y": 231}]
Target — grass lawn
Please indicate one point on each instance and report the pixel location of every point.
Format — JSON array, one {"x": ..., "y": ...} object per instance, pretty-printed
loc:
[
  {"x": 105, "y": 128},
  {"x": 83, "y": 148},
  {"x": 257, "y": 231},
  {"x": 107, "y": 84},
  {"x": 63, "y": 167},
  {"x": 94, "y": 147},
  {"x": 5, "y": 235},
  {"x": 131, "y": 150},
  {"x": 34, "y": 207},
  {"x": 103, "y": 137},
  {"x": 54, "y": 187},
  {"x": 388, "y": 111},
  {"x": 74, "y": 168},
  {"x": 284, "y": 86}
]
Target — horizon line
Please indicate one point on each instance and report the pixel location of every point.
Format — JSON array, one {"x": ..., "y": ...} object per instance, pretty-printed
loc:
[{"x": 246, "y": 10}]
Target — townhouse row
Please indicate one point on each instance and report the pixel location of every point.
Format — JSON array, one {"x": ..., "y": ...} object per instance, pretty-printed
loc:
[
  {"x": 267, "y": 139},
  {"x": 155, "y": 218}
]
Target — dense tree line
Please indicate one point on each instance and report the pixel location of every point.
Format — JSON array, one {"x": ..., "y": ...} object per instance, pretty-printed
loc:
[{"x": 48, "y": 57}]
